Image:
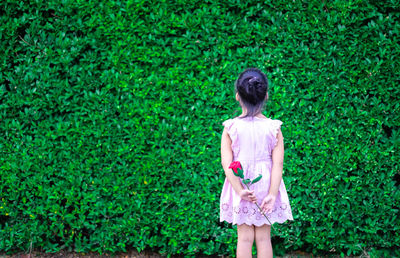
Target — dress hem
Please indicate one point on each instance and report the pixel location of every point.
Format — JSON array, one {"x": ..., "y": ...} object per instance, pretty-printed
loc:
[{"x": 254, "y": 224}]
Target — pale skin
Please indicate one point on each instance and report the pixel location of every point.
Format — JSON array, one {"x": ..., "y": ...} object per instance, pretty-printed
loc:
[{"x": 247, "y": 234}]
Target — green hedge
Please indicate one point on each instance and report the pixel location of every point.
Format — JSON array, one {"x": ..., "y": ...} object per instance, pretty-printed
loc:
[{"x": 111, "y": 112}]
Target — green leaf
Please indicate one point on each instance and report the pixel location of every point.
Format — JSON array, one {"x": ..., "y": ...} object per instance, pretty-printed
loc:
[
  {"x": 240, "y": 173},
  {"x": 255, "y": 180}
]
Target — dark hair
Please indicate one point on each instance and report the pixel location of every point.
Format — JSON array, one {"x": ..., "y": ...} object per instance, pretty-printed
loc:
[{"x": 252, "y": 86}]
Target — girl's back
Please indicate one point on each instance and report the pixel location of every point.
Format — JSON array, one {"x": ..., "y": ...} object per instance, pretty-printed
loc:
[{"x": 253, "y": 138}]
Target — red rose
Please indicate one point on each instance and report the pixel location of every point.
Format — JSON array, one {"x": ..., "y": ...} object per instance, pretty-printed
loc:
[{"x": 234, "y": 166}]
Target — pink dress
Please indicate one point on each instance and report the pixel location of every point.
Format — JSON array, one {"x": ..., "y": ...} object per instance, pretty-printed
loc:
[{"x": 253, "y": 140}]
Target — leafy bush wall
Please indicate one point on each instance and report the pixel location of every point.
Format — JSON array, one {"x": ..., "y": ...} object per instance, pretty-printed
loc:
[{"x": 111, "y": 112}]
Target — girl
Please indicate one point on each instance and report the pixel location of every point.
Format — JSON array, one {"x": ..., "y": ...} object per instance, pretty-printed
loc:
[{"x": 257, "y": 142}]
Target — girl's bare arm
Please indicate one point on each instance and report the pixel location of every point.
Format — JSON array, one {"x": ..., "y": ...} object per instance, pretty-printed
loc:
[
  {"x": 226, "y": 160},
  {"x": 277, "y": 165}
]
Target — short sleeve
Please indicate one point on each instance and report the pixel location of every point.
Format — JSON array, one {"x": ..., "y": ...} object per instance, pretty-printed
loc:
[
  {"x": 228, "y": 124},
  {"x": 232, "y": 131},
  {"x": 276, "y": 125}
]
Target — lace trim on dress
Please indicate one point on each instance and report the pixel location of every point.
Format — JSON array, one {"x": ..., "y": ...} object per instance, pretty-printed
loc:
[{"x": 246, "y": 214}]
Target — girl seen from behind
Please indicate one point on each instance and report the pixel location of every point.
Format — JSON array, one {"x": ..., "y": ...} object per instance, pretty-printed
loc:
[{"x": 257, "y": 142}]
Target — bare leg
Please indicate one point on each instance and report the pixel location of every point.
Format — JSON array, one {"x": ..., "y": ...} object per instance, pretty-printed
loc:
[
  {"x": 245, "y": 241},
  {"x": 263, "y": 241}
]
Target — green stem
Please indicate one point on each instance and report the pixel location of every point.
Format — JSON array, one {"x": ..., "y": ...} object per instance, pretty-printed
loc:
[
  {"x": 261, "y": 210},
  {"x": 293, "y": 241},
  {"x": 267, "y": 217}
]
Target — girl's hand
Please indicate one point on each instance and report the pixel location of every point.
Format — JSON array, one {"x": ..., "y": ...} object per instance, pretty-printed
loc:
[
  {"x": 248, "y": 195},
  {"x": 268, "y": 203}
]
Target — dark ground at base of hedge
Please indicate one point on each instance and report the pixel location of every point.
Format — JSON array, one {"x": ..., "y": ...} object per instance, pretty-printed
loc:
[{"x": 146, "y": 254}]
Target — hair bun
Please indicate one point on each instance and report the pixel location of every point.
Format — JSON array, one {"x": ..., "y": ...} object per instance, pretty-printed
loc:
[{"x": 254, "y": 82}]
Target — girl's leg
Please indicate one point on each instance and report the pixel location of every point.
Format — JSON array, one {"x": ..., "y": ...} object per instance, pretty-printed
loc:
[
  {"x": 245, "y": 241},
  {"x": 263, "y": 241}
]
